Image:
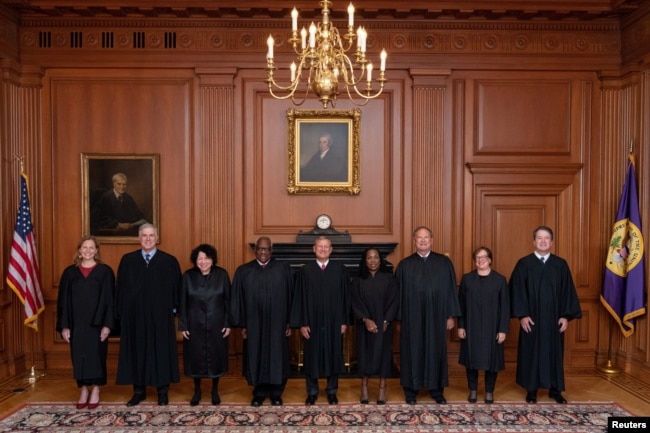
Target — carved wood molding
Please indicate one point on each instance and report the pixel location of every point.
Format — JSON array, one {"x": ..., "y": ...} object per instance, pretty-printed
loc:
[
  {"x": 514, "y": 40},
  {"x": 524, "y": 168}
]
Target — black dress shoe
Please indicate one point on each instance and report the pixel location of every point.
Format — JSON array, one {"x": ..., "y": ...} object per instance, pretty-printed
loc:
[
  {"x": 276, "y": 401},
  {"x": 135, "y": 400},
  {"x": 472, "y": 397},
  {"x": 311, "y": 399},
  {"x": 163, "y": 400},
  {"x": 257, "y": 401},
  {"x": 410, "y": 401},
  {"x": 331, "y": 398},
  {"x": 441, "y": 400},
  {"x": 489, "y": 398},
  {"x": 557, "y": 396},
  {"x": 196, "y": 398},
  {"x": 216, "y": 399},
  {"x": 531, "y": 397}
]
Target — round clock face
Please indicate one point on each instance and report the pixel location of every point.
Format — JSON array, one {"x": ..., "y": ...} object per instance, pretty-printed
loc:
[{"x": 323, "y": 222}]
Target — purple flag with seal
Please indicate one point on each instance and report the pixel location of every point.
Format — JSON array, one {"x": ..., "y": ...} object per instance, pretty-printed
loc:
[{"x": 624, "y": 284}]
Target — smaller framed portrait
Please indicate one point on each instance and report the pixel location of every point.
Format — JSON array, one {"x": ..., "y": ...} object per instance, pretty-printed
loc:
[
  {"x": 119, "y": 193},
  {"x": 323, "y": 151}
]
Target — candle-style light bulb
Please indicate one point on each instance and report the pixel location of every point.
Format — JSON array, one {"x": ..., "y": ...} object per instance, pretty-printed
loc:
[
  {"x": 294, "y": 20},
  {"x": 312, "y": 35},
  {"x": 369, "y": 69},
  {"x": 383, "y": 55},
  {"x": 303, "y": 35},
  {"x": 293, "y": 71},
  {"x": 350, "y": 15},
  {"x": 270, "y": 43}
]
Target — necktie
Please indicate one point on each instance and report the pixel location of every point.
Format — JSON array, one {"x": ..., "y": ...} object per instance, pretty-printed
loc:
[
  {"x": 322, "y": 266},
  {"x": 147, "y": 257},
  {"x": 543, "y": 259},
  {"x": 263, "y": 265}
]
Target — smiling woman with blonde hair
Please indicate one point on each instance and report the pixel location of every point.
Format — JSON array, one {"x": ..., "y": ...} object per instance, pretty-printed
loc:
[{"x": 85, "y": 318}]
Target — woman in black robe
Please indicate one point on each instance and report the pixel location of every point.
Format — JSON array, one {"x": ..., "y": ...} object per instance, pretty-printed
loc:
[
  {"x": 203, "y": 320},
  {"x": 485, "y": 306},
  {"x": 374, "y": 303},
  {"x": 85, "y": 318}
]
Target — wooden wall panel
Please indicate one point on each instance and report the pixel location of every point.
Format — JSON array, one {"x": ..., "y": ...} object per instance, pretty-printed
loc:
[
  {"x": 430, "y": 164},
  {"x": 215, "y": 155},
  {"x": 523, "y": 116}
]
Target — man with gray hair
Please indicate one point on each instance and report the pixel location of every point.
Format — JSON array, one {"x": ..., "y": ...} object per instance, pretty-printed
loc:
[
  {"x": 147, "y": 291},
  {"x": 116, "y": 209}
]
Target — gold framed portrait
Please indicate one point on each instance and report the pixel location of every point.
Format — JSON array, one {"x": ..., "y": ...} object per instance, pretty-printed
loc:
[
  {"x": 323, "y": 151},
  {"x": 119, "y": 193}
]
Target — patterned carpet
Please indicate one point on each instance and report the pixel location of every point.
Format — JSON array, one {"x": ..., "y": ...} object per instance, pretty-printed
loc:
[{"x": 295, "y": 418}]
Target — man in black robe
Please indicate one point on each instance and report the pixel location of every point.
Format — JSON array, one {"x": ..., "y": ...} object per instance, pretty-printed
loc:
[
  {"x": 544, "y": 299},
  {"x": 116, "y": 210},
  {"x": 261, "y": 301},
  {"x": 428, "y": 305},
  {"x": 320, "y": 308},
  {"x": 146, "y": 296}
]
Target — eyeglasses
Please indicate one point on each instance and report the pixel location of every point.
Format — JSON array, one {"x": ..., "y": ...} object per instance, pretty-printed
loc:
[{"x": 477, "y": 258}]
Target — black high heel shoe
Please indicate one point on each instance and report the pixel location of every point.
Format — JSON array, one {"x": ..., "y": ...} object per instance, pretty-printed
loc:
[
  {"x": 381, "y": 398},
  {"x": 364, "y": 394},
  {"x": 472, "y": 396},
  {"x": 216, "y": 399},
  {"x": 196, "y": 398},
  {"x": 489, "y": 398}
]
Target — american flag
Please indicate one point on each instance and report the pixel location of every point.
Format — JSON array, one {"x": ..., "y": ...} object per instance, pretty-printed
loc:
[{"x": 23, "y": 276}]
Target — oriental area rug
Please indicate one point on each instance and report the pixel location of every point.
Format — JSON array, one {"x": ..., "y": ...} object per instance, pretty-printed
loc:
[{"x": 297, "y": 418}]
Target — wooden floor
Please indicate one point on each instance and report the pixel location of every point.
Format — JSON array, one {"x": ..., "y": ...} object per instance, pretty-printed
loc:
[{"x": 583, "y": 385}]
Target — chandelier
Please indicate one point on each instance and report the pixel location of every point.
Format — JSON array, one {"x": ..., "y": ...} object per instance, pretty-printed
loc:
[{"x": 323, "y": 63}]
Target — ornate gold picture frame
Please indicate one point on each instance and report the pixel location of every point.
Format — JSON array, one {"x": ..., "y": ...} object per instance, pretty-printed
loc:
[
  {"x": 324, "y": 151},
  {"x": 119, "y": 192}
]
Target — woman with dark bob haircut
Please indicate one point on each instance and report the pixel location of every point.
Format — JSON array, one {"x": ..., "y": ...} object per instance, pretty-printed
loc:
[
  {"x": 485, "y": 305},
  {"x": 204, "y": 320}
]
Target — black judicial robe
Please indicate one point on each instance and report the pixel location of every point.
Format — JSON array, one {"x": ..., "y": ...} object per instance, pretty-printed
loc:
[
  {"x": 321, "y": 302},
  {"x": 485, "y": 307},
  {"x": 203, "y": 310},
  {"x": 145, "y": 299},
  {"x": 110, "y": 211},
  {"x": 427, "y": 298},
  {"x": 85, "y": 305},
  {"x": 261, "y": 302},
  {"x": 376, "y": 298},
  {"x": 546, "y": 293}
]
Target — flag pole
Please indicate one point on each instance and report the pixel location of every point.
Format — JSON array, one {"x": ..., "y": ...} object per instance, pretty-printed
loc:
[
  {"x": 32, "y": 375},
  {"x": 609, "y": 367}
]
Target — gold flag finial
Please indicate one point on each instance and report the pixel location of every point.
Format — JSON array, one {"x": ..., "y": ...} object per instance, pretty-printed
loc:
[{"x": 21, "y": 160}]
